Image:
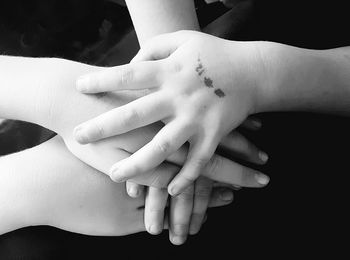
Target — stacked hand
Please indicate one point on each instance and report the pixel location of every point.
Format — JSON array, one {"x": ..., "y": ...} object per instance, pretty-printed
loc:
[{"x": 191, "y": 88}]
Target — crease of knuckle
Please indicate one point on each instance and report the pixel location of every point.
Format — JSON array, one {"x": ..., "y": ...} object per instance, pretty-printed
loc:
[
  {"x": 214, "y": 165},
  {"x": 156, "y": 180},
  {"x": 130, "y": 116},
  {"x": 163, "y": 146},
  {"x": 126, "y": 75},
  {"x": 200, "y": 162},
  {"x": 197, "y": 216},
  {"x": 203, "y": 192},
  {"x": 246, "y": 177},
  {"x": 180, "y": 229},
  {"x": 98, "y": 130},
  {"x": 184, "y": 196},
  {"x": 155, "y": 209}
]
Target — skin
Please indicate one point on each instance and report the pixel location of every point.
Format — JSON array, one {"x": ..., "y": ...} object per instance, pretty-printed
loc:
[
  {"x": 249, "y": 77},
  {"x": 151, "y": 18},
  {"x": 183, "y": 17},
  {"x": 50, "y": 99},
  {"x": 186, "y": 109},
  {"x": 61, "y": 191}
]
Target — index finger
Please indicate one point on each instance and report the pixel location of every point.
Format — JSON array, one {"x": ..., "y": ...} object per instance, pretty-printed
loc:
[{"x": 140, "y": 75}]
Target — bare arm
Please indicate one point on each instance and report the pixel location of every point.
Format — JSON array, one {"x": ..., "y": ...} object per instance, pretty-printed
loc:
[
  {"x": 154, "y": 17},
  {"x": 305, "y": 80}
]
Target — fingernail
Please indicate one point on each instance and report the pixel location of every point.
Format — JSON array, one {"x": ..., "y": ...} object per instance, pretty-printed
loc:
[
  {"x": 82, "y": 83},
  {"x": 115, "y": 175},
  {"x": 263, "y": 156},
  {"x": 178, "y": 240},
  {"x": 79, "y": 135},
  {"x": 173, "y": 191},
  {"x": 262, "y": 179},
  {"x": 154, "y": 229},
  {"x": 133, "y": 191},
  {"x": 226, "y": 195}
]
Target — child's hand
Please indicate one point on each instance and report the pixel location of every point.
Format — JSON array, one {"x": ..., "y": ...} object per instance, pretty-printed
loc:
[{"x": 201, "y": 86}]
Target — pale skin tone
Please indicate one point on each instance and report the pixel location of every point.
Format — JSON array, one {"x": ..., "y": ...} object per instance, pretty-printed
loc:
[
  {"x": 218, "y": 84},
  {"x": 182, "y": 206},
  {"x": 61, "y": 191},
  {"x": 151, "y": 18},
  {"x": 50, "y": 99}
]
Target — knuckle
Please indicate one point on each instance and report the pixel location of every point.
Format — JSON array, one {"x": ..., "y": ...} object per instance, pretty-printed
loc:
[
  {"x": 203, "y": 192},
  {"x": 98, "y": 130},
  {"x": 126, "y": 75},
  {"x": 246, "y": 176},
  {"x": 201, "y": 162},
  {"x": 164, "y": 146},
  {"x": 130, "y": 116},
  {"x": 185, "y": 196},
  {"x": 180, "y": 229},
  {"x": 155, "y": 209},
  {"x": 197, "y": 216},
  {"x": 214, "y": 164}
]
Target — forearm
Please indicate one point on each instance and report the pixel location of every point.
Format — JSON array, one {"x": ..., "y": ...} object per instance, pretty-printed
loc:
[
  {"x": 16, "y": 200},
  {"x": 38, "y": 90},
  {"x": 305, "y": 80},
  {"x": 154, "y": 17}
]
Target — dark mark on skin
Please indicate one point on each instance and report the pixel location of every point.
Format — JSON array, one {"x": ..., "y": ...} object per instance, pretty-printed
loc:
[
  {"x": 200, "y": 69},
  {"x": 208, "y": 82},
  {"x": 219, "y": 93}
]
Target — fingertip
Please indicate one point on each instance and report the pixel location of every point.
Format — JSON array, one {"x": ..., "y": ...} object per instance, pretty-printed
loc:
[
  {"x": 115, "y": 174},
  {"x": 262, "y": 179},
  {"x": 83, "y": 83},
  {"x": 133, "y": 191},
  {"x": 80, "y": 136},
  {"x": 263, "y": 156},
  {"x": 177, "y": 240},
  {"x": 226, "y": 195},
  {"x": 154, "y": 229}
]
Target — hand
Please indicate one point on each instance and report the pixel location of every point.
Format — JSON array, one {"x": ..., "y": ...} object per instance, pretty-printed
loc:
[
  {"x": 201, "y": 86},
  {"x": 187, "y": 211},
  {"x": 61, "y": 191}
]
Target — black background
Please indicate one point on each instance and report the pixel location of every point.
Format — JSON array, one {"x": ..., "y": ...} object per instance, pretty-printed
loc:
[{"x": 304, "y": 210}]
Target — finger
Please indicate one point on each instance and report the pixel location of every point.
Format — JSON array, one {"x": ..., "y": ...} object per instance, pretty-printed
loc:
[
  {"x": 239, "y": 146},
  {"x": 220, "y": 197},
  {"x": 133, "y": 189},
  {"x": 140, "y": 112},
  {"x": 161, "y": 46},
  {"x": 226, "y": 171},
  {"x": 168, "y": 140},
  {"x": 202, "y": 192},
  {"x": 252, "y": 124},
  {"x": 155, "y": 204},
  {"x": 158, "y": 177},
  {"x": 141, "y": 75},
  {"x": 180, "y": 215},
  {"x": 199, "y": 155}
]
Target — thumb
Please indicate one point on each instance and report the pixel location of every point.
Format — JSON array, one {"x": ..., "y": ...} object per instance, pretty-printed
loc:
[{"x": 161, "y": 46}]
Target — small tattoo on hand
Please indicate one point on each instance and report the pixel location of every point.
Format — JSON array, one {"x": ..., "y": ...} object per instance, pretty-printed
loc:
[
  {"x": 219, "y": 93},
  {"x": 208, "y": 82},
  {"x": 200, "y": 68}
]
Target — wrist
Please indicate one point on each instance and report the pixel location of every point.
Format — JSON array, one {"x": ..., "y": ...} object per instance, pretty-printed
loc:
[{"x": 269, "y": 70}]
